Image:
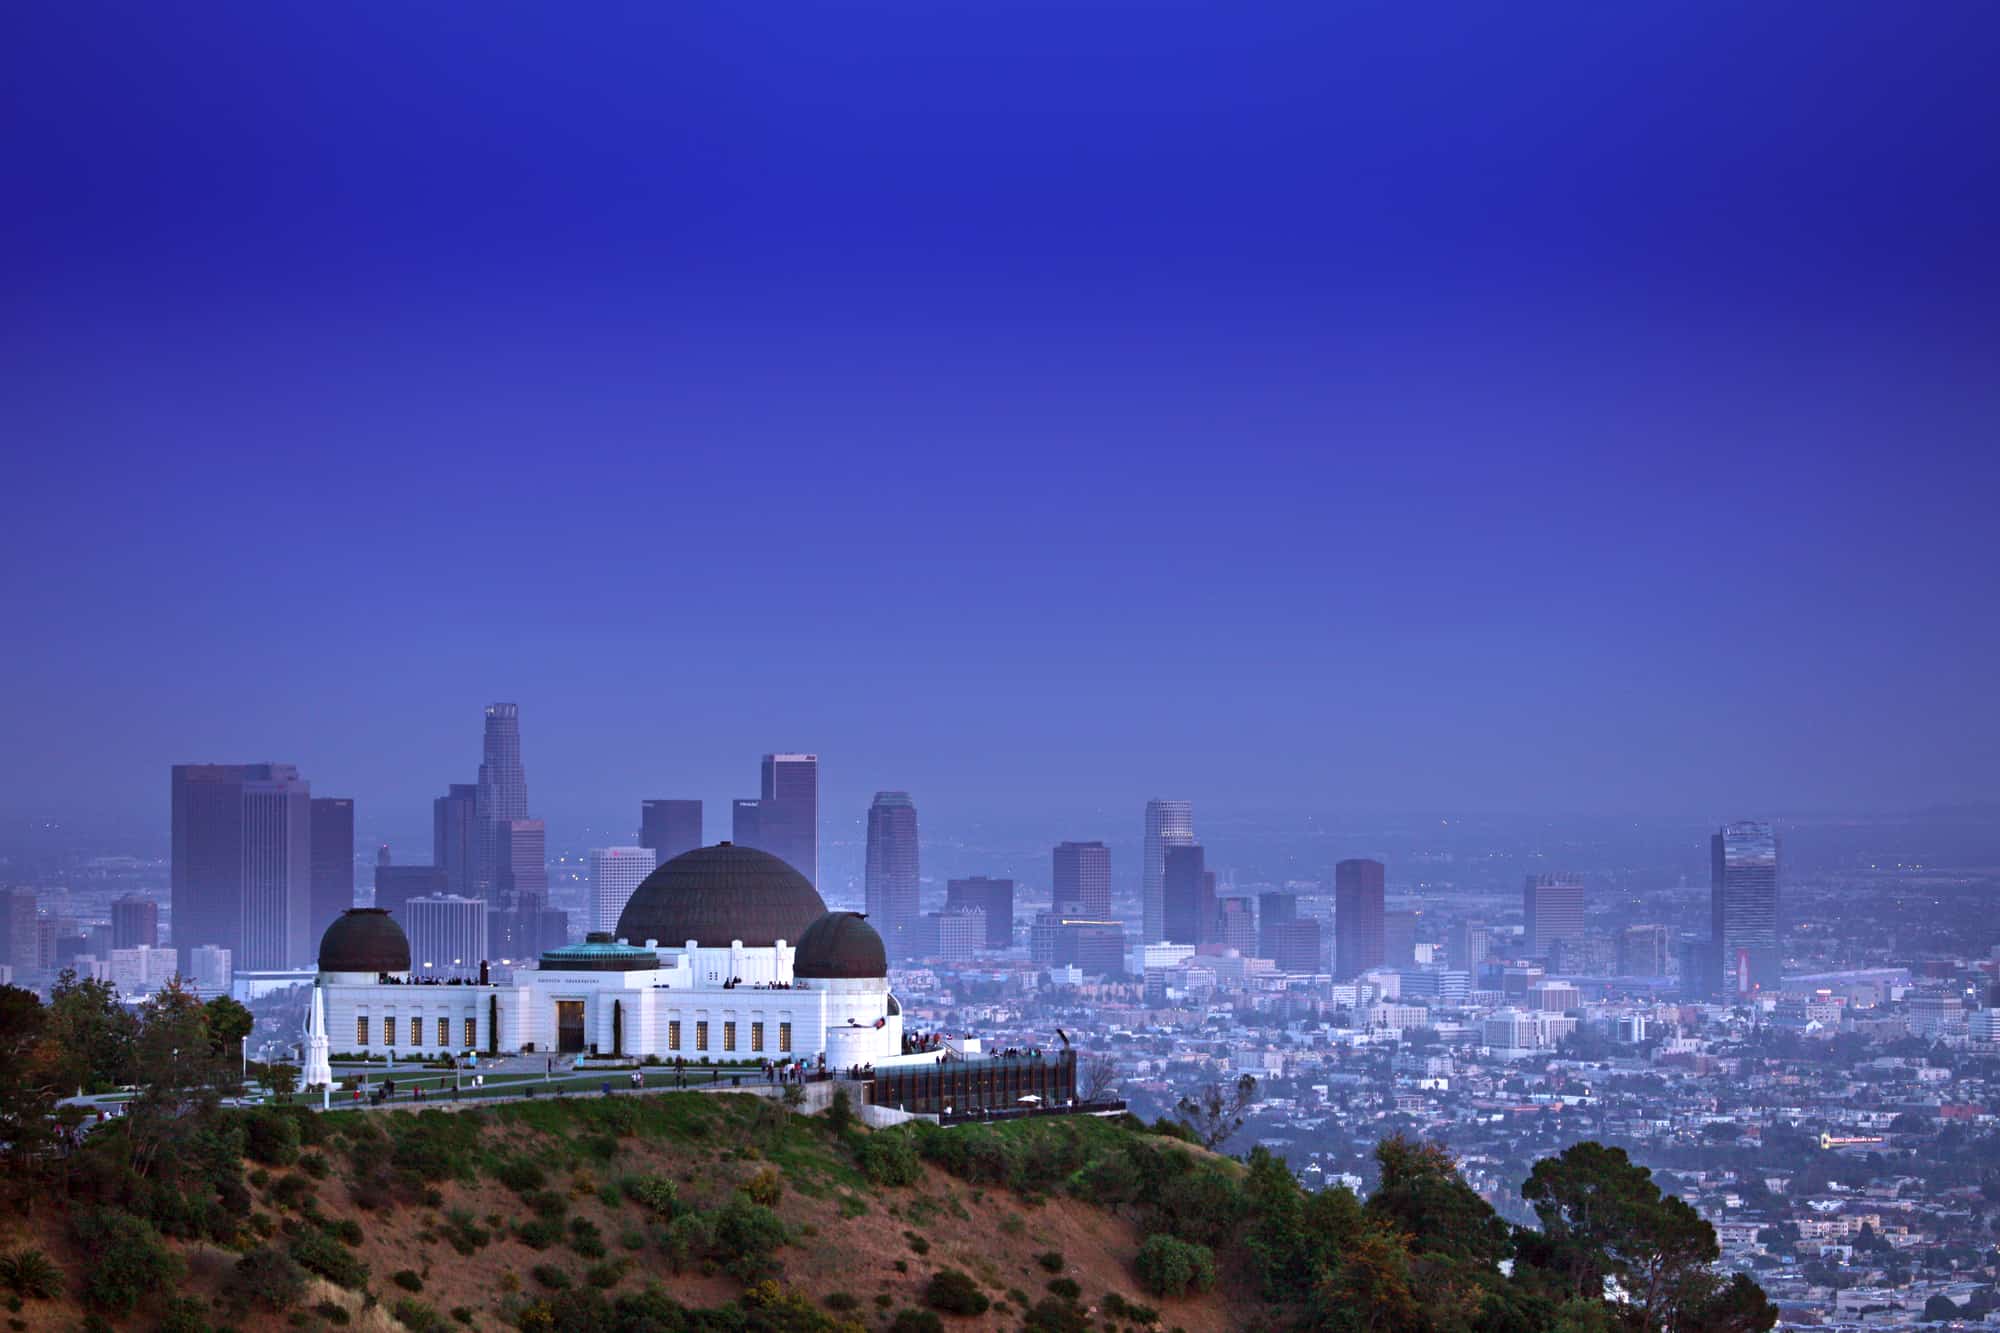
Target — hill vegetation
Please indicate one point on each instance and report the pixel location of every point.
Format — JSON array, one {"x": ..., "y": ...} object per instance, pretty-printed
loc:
[{"x": 693, "y": 1211}]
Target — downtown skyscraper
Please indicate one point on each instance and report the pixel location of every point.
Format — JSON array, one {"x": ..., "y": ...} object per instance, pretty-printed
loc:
[
  {"x": 1082, "y": 880},
  {"x": 891, "y": 884},
  {"x": 455, "y": 838},
  {"x": 1168, "y": 824},
  {"x": 332, "y": 861},
  {"x": 1360, "y": 934},
  {"x": 1743, "y": 908},
  {"x": 1187, "y": 894},
  {"x": 784, "y": 818},
  {"x": 242, "y": 864},
  {"x": 502, "y": 793},
  {"x": 669, "y": 827},
  {"x": 1553, "y": 908}
]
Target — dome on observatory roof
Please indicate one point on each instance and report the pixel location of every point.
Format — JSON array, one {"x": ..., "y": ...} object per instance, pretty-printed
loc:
[
  {"x": 717, "y": 895},
  {"x": 841, "y": 945},
  {"x": 364, "y": 939}
]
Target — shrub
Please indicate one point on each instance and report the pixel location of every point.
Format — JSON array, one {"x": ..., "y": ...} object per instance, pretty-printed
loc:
[
  {"x": 1065, "y": 1288},
  {"x": 268, "y": 1277},
  {"x": 539, "y": 1233},
  {"x": 1170, "y": 1267},
  {"x": 1051, "y": 1315},
  {"x": 918, "y": 1244},
  {"x": 416, "y": 1316},
  {"x": 462, "y": 1233},
  {"x": 632, "y": 1238},
  {"x": 585, "y": 1239},
  {"x": 916, "y": 1321},
  {"x": 271, "y": 1137},
  {"x": 766, "y": 1187},
  {"x": 31, "y": 1274},
  {"x": 462, "y": 1313},
  {"x": 839, "y": 1112},
  {"x": 547, "y": 1203},
  {"x": 332, "y": 1311},
  {"x": 890, "y": 1158},
  {"x": 1050, "y": 1260},
  {"x": 656, "y": 1194},
  {"x": 314, "y": 1164},
  {"x": 184, "y": 1314},
  {"x": 318, "y": 1252},
  {"x": 349, "y": 1232},
  {"x": 747, "y": 1235},
  {"x": 688, "y": 1239},
  {"x": 605, "y": 1274},
  {"x": 1118, "y": 1307},
  {"x": 550, "y": 1276},
  {"x": 955, "y": 1292},
  {"x": 128, "y": 1260},
  {"x": 520, "y": 1175},
  {"x": 407, "y": 1279},
  {"x": 293, "y": 1192},
  {"x": 840, "y": 1302}
]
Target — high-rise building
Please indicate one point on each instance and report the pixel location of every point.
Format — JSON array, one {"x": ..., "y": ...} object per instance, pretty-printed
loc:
[
  {"x": 614, "y": 873},
  {"x": 1743, "y": 907},
  {"x": 1187, "y": 896},
  {"x": 135, "y": 922},
  {"x": 1643, "y": 951},
  {"x": 447, "y": 935},
  {"x": 1059, "y": 940},
  {"x": 396, "y": 885},
  {"x": 1357, "y": 918},
  {"x": 332, "y": 861},
  {"x": 1168, "y": 824},
  {"x": 784, "y": 819},
  {"x": 994, "y": 897},
  {"x": 1467, "y": 944},
  {"x": 1399, "y": 938},
  {"x": 211, "y": 968},
  {"x": 1235, "y": 925},
  {"x": 1081, "y": 880},
  {"x": 1553, "y": 906},
  {"x": 950, "y": 935},
  {"x": 242, "y": 863},
  {"x": 19, "y": 931},
  {"x": 502, "y": 794},
  {"x": 1295, "y": 945},
  {"x": 455, "y": 837},
  {"x": 669, "y": 827},
  {"x": 891, "y": 882},
  {"x": 1273, "y": 911},
  {"x": 521, "y": 924}
]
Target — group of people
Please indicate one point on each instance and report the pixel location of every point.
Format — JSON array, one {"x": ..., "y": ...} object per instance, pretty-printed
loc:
[{"x": 791, "y": 1071}]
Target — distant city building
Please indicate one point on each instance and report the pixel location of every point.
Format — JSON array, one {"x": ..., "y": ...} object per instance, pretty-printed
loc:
[
  {"x": 1399, "y": 938},
  {"x": 455, "y": 838},
  {"x": 1187, "y": 896},
  {"x": 521, "y": 924},
  {"x": 784, "y": 819},
  {"x": 670, "y": 827},
  {"x": 1295, "y": 945},
  {"x": 994, "y": 897},
  {"x": 19, "y": 927},
  {"x": 210, "y": 969},
  {"x": 1644, "y": 951},
  {"x": 1553, "y": 906},
  {"x": 1096, "y": 947},
  {"x": 501, "y": 796},
  {"x": 1358, "y": 927},
  {"x": 951, "y": 935},
  {"x": 1743, "y": 907},
  {"x": 1467, "y": 944},
  {"x": 332, "y": 889},
  {"x": 1168, "y": 824},
  {"x": 1082, "y": 880},
  {"x": 1273, "y": 910},
  {"x": 615, "y": 872},
  {"x": 891, "y": 882},
  {"x": 242, "y": 862},
  {"x": 447, "y": 935},
  {"x": 135, "y": 922},
  {"x": 143, "y": 969},
  {"x": 1236, "y": 925},
  {"x": 395, "y": 885}
]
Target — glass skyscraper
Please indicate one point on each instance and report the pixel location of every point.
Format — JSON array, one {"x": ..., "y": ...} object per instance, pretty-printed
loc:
[
  {"x": 1168, "y": 824},
  {"x": 1743, "y": 907},
  {"x": 891, "y": 884}
]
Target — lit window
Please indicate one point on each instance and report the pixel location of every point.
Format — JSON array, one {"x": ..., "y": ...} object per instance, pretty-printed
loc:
[
  {"x": 471, "y": 1033},
  {"x": 416, "y": 1031},
  {"x": 756, "y": 1036},
  {"x": 785, "y": 1037},
  {"x": 444, "y": 1032},
  {"x": 361, "y": 1029},
  {"x": 673, "y": 1034},
  {"x": 701, "y": 1034},
  {"x": 729, "y": 1036}
]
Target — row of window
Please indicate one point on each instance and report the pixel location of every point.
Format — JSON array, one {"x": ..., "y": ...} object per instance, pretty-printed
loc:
[
  {"x": 416, "y": 1031},
  {"x": 729, "y": 1036}
]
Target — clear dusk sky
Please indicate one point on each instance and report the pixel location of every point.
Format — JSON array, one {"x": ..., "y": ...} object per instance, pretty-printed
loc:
[{"x": 1547, "y": 407}]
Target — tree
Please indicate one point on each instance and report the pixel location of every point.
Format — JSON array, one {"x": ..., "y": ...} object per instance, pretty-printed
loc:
[
  {"x": 1940, "y": 1308},
  {"x": 31, "y": 1079},
  {"x": 229, "y": 1023},
  {"x": 180, "y": 1071},
  {"x": 1100, "y": 1078},
  {"x": 93, "y": 1032},
  {"x": 1602, "y": 1216},
  {"x": 1217, "y": 1111},
  {"x": 1422, "y": 1195},
  {"x": 278, "y": 1078}
]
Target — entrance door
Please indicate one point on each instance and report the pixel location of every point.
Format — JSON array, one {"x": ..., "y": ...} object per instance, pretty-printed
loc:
[{"x": 569, "y": 1026}]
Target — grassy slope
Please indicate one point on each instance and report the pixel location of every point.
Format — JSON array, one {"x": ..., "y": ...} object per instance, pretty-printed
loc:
[{"x": 848, "y": 1235}]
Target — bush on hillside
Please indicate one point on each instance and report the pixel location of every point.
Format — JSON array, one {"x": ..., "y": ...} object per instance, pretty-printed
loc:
[
  {"x": 269, "y": 1278},
  {"x": 916, "y": 1321},
  {"x": 318, "y": 1252},
  {"x": 955, "y": 1292},
  {"x": 1168, "y": 1266},
  {"x": 128, "y": 1260},
  {"x": 31, "y": 1274},
  {"x": 890, "y": 1158}
]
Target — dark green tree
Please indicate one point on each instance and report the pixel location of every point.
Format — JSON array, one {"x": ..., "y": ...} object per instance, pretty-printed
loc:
[{"x": 93, "y": 1031}]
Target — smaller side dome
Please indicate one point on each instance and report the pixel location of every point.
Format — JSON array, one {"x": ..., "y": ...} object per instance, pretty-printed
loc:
[
  {"x": 366, "y": 940},
  {"x": 841, "y": 946}
]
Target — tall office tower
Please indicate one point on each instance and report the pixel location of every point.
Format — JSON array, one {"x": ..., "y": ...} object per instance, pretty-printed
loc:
[
  {"x": 526, "y": 924},
  {"x": 1236, "y": 925},
  {"x": 1273, "y": 911},
  {"x": 1187, "y": 896},
  {"x": 670, "y": 827},
  {"x": 395, "y": 886},
  {"x": 1082, "y": 880},
  {"x": 1467, "y": 945},
  {"x": 242, "y": 863},
  {"x": 19, "y": 931},
  {"x": 1294, "y": 945},
  {"x": 332, "y": 861},
  {"x": 135, "y": 922},
  {"x": 784, "y": 820},
  {"x": 502, "y": 793},
  {"x": 1168, "y": 824},
  {"x": 448, "y": 935},
  {"x": 1743, "y": 907},
  {"x": 1399, "y": 939},
  {"x": 454, "y": 837},
  {"x": 1553, "y": 906},
  {"x": 891, "y": 882},
  {"x": 614, "y": 873},
  {"x": 994, "y": 897},
  {"x": 1357, "y": 918},
  {"x": 1643, "y": 951}
]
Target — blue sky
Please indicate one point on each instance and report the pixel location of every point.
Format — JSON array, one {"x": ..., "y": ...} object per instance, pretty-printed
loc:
[{"x": 1035, "y": 407}]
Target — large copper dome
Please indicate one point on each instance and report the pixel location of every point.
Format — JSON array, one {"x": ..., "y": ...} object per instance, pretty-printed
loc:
[
  {"x": 364, "y": 939},
  {"x": 843, "y": 945},
  {"x": 720, "y": 894}
]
